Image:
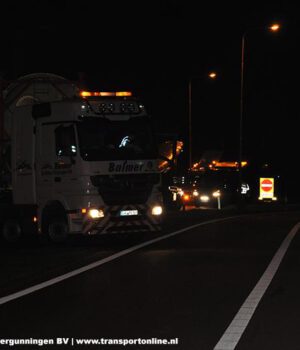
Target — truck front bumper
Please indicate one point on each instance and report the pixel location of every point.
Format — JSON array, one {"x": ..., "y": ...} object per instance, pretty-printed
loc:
[{"x": 122, "y": 219}]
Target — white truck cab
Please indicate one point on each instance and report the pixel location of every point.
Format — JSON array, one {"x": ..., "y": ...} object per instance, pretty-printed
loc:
[{"x": 87, "y": 161}]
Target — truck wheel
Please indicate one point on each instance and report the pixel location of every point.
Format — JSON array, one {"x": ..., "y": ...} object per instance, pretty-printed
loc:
[
  {"x": 57, "y": 230},
  {"x": 11, "y": 231}
]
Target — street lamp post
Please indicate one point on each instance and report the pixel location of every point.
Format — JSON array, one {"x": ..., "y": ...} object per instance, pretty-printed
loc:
[
  {"x": 190, "y": 122},
  {"x": 273, "y": 28},
  {"x": 241, "y": 108},
  {"x": 211, "y": 75}
]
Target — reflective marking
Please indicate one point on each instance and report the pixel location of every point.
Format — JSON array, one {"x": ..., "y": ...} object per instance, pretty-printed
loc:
[
  {"x": 238, "y": 325},
  {"x": 95, "y": 264}
]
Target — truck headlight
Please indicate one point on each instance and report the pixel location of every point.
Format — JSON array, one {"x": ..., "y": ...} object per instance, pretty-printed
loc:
[
  {"x": 157, "y": 210},
  {"x": 195, "y": 193},
  {"x": 96, "y": 213},
  {"x": 216, "y": 193},
  {"x": 204, "y": 198}
]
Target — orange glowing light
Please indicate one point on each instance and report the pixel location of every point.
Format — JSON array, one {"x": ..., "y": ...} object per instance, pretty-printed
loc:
[
  {"x": 105, "y": 93},
  {"x": 124, "y": 93},
  {"x": 227, "y": 164},
  {"x": 212, "y": 75},
  {"x": 83, "y": 210},
  {"x": 186, "y": 197},
  {"x": 85, "y": 93},
  {"x": 274, "y": 27}
]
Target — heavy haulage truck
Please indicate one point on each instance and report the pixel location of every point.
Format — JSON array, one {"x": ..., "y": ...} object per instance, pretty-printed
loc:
[{"x": 76, "y": 161}]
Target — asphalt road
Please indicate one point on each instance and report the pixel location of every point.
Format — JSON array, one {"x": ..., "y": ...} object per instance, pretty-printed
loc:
[{"x": 188, "y": 285}]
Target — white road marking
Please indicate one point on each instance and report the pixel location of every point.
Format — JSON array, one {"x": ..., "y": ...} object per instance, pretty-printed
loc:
[
  {"x": 235, "y": 330},
  {"x": 95, "y": 264}
]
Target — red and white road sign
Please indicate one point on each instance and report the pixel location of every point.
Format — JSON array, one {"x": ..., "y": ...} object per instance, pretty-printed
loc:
[
  {"x": 267, "y": 185},
  {"x": 266, "y": 188}
]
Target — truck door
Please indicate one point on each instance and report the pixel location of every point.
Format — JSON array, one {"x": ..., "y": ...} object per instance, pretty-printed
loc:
[
  {"x": 56, "y": 160},
  {"x": 23, "y": 155},
  {"x": 45, "y": 156},
  {"x": 65, "y": 179}
]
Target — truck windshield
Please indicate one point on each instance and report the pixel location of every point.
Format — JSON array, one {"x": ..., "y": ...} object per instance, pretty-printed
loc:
[{"x": 103, "y": 139}]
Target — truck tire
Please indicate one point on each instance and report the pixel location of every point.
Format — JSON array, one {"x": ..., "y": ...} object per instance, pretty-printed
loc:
[
  {"x": 11, "y": 231},
  {"x": 57, "y": 230},
  {"x": 54, "y": 224}
]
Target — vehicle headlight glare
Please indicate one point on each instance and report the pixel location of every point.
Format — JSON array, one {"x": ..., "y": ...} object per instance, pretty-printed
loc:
[
  {"x": 204, "y": 198},
  {"x": 157, "y": 210},
  {"x": 216, "y": 193},
  {"x": 96, "y": 213}
]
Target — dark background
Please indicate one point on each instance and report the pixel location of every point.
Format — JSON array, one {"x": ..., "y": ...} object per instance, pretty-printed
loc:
[{"x": 155, "y": 47}]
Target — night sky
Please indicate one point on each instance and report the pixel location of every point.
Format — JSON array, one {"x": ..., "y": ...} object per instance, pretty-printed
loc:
[{"x": 155, "y": 47}]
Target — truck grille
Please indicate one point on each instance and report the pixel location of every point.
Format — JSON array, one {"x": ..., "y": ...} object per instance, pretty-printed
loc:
[{"x": 124, "y": 189}]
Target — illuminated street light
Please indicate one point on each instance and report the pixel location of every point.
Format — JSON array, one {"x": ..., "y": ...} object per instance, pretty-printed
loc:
[
  {"x": 274, "y": 28},
  {"x": 211, "y": 75}
]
